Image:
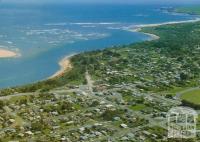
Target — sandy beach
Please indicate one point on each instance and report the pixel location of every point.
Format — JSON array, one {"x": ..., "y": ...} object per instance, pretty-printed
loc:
[
  {"x": 153, "y": 37},
  {"x": 65, "y": 65},
  {"x": 7, "y": 53},
  {"x": 167, "y": 23},
  {"x": 138, "y": 28}
]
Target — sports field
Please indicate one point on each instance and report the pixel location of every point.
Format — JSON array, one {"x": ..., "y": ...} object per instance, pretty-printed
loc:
[{"x": 192, "y": 96}]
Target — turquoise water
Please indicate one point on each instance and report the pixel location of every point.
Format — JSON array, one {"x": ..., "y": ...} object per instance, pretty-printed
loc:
[{"x": 44, "y": 34}]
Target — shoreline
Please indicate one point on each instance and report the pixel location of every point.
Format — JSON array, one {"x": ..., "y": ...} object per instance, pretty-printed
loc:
[
  {"x": 152, "y": 36},
  {"x": 65, "y": 65},
  {"x": 4, "y": 53},
  {"x": 166, "y": 23},
  {"x": 138, "y": 28},
  {"x": 65, "y": 62}
]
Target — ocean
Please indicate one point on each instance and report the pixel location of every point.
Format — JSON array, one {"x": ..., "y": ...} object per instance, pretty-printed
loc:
[{"x": 44, "y": 34}]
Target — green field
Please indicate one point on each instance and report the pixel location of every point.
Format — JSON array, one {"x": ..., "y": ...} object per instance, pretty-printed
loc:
[
  {"x": 138, "y": 107},
  {"x": 192, "y": 96},
  {"x": 189, "y": 10}
]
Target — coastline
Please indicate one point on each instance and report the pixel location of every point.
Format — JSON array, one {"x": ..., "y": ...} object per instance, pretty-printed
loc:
[
  {"x": 65, "y": 65},
  {"x": 153, "y": 36},
  {"x": 7, "y": 53},
  {"x": 138, "y": 28},
  {"x": 166, "y": 23}
]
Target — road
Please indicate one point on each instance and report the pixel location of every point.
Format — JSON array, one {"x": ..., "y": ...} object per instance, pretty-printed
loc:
[
  {"x": 18, "y": 95},
  {"x": 89, "y": 82}
]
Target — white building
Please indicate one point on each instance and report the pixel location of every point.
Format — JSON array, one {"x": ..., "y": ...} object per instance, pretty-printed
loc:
[{"x": 182, "y": 122}]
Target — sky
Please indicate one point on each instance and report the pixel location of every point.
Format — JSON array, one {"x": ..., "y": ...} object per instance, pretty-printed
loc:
[{"x": 104, "y": 1}]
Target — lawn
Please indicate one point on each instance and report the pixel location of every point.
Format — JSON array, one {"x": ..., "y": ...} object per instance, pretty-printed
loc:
[
  {"x": 192, "y": 96},
  {"x": 138, "y": 107},
  {"x": 173, "y": 91}
]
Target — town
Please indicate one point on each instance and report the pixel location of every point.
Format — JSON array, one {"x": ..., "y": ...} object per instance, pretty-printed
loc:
[{"x": 117, "y": 94}]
